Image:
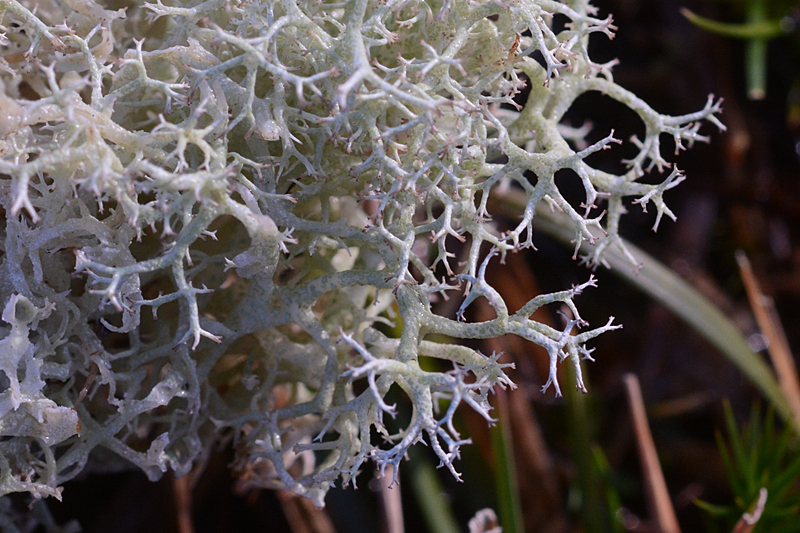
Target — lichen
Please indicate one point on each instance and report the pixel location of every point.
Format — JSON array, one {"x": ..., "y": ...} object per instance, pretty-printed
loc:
[{"x": 216, "y": 212}]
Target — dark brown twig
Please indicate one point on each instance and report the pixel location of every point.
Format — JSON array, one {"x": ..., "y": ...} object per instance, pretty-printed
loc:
[
  {"x": 770, "y": 325},
  {"x": 749, "y": 520}
]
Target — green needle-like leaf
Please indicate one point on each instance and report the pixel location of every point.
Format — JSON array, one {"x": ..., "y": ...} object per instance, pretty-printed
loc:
[{"x": 767, "y": 29}]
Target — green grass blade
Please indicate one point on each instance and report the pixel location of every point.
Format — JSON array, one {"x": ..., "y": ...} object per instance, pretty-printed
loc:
[
  {"x": 712, "y": 509},
  {"x": 727, "y": 464},
  {"x": 505, "y": 473},
  {"x": 765, "y": 29},
  {"x": 785, "y": 480},
  {"x": 779, "y": 451},
  {"x": 743, "y": 460},
  {"x": 755, "y": 61},
  {"x": 613, "y": 500},
  {"x": 595, "y": 515},
  {"x": 430, "y": 495},
  {"x": 754, "y": 446}
]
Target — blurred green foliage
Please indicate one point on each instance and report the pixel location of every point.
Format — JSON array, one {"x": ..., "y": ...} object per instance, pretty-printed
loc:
[{"x": 755, "y": 457}]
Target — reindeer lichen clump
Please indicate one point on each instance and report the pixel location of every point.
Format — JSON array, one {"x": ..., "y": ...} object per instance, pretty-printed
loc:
[{"x": 212, "y": 207}]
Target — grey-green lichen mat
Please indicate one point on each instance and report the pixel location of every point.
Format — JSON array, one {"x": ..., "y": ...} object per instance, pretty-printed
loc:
[{"x": 220, "y": 214}]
